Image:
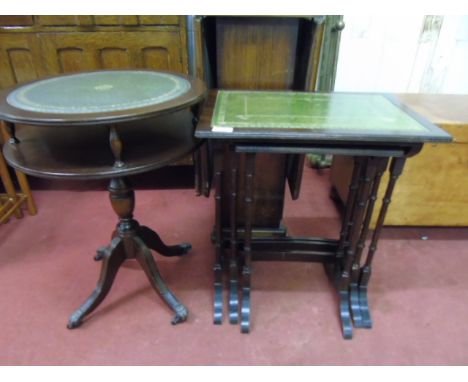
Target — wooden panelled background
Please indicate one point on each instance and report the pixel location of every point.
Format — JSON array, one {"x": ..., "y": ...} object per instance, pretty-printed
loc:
[{"x": 33, "y": 47}]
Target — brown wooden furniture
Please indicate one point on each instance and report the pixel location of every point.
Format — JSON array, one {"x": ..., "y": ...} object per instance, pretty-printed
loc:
[
  {"x": 433, "y": 189},
  {"x": 94, "y": 126},
  {"x": 34, "y": 47},
  {"x": 247, "y": 124},
  {"x": 276, "y": 53}
]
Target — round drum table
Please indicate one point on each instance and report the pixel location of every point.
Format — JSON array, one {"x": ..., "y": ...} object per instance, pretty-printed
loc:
[{"x": 107, "y": 124}]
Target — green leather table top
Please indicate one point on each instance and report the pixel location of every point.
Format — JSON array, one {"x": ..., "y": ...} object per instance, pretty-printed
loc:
[
  {"x": 282, "y": 114},
  {"x": 98, "y": 92}
]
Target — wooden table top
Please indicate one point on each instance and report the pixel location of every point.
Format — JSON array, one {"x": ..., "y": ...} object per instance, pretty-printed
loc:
[{"x": 353, "y": 117}]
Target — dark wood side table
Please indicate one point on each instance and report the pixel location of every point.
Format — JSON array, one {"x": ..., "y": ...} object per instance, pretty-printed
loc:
[
  {"x": 374, "y": 129},
  {"x": 107, "y": 124}
]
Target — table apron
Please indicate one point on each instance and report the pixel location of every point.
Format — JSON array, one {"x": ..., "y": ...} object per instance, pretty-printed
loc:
[{"x": 315, "y": 149}]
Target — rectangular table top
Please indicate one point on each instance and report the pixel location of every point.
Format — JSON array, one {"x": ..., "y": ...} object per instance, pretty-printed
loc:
[{"x": 317, "y": 116}]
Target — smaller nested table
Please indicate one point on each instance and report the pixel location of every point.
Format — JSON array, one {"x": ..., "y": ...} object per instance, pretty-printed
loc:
[
  {"x": 375, "y": 129},
  {"x": 107, "y": 125}
]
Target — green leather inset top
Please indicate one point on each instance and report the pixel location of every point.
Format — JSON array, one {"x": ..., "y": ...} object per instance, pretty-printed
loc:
[
  {"x": 96, "y": 92},
  {"x": 301, "y": 110}
]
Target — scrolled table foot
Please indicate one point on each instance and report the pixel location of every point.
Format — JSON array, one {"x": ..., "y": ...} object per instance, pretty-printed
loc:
[
  {"x": 100, "y": 253},
  {"x": 218, "y": 295},
  {"x": 153, "y": 241},
  {"x": 112, "y": 258},
  {"x": 184, "y": 248},
  {"x": 245, "y": 321},
  {"x": 146, "y": 260},
  {"x": 181, "y": 315},
  {"x": 74, "y": 322},
  {"x": 233, "y": 302},
  {"x": 355, "y": 305},
  {"x": 365, "y": 310},
  {"x": 345, "y": 315},
  {"x": 245, "y": 309},
  {"x": 233, "y": 293}
]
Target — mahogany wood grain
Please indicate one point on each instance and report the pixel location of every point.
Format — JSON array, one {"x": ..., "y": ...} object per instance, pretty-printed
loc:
[{"x": 256, "y": 53}]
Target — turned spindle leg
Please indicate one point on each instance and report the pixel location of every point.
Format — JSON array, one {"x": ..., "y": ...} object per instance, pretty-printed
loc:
[
  {"x": 369, "y": 192},
  {"x": 247, "y": 269},
  {"x": 197, "y": 166},
  {"x": 233, "y": 261},
  {"x": 11, "y": 130},
  {"x": 116, "y": 146},
  {"x": 343, "y": 244},
  {"x": 335, "y": 271},
  {"x": 353, "y": 236},
  {"x": 396, "y": 168},
  {"x": 219, "y": 255}
]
